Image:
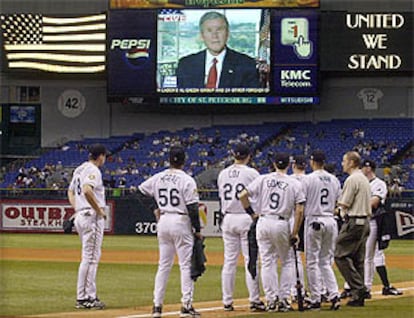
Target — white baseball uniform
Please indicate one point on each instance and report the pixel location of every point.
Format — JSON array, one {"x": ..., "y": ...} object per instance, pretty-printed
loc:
[
  {"x": 275, "y": 194},
  {"x": 322, "y": 190},
  {"x": 89, "y": 226},
  {"x": 173, "y": 190},
  {"x": 236, "y": 224},
  {"x": 374, "y": 256}
]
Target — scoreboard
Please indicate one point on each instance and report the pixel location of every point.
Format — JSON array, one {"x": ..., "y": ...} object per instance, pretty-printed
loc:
[{"x": 146, "y": 41}]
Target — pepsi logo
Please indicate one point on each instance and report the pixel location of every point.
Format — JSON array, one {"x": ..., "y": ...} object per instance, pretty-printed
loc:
[{"x": 137, "y": 57}]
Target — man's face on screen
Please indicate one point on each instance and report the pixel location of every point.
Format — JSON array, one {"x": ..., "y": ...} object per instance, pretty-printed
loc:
[{"x": 214, "y": 33}]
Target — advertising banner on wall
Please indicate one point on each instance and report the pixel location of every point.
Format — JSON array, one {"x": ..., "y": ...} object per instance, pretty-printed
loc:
[
  {"x": 40, "y": 215},
  {"x": 368, "y": 42},
  {"x": 132, "y": 217},
  {"x": 131, "y": 53},
  {"x": 403, "y": 208},
  {"x": 296, "y": 52},
  {"x": 210, "y": 218}
]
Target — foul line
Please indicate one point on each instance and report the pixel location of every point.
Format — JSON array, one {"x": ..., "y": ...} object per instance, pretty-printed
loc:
[{"x": 174, "y": 313}]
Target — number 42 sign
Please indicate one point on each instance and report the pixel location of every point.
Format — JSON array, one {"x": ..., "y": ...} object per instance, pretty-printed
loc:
[{"x": 71, "y": 103}]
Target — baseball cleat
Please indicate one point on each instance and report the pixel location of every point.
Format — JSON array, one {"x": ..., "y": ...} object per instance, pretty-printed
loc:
[
  {"x": 271, "y": 306},
  {"x": 313, "y": 306},
  {"x": 189, "y": 312},
  {"x": 156, "y": 311},
  {"x": 81, "y": 304},
  {"x": 96, "y": 304},
  {"x": 257, "y": 306},
  {"x": 284, "y": 306},
  {"x": 90, "y": 304},
  {"x": 228, "y": 307},
  {"x": 335, "y": 303},
  {"x": 391, "y": 291}
]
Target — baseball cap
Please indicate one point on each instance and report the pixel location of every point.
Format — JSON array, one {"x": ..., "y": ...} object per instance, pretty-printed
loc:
[
  {"x": 369, "y": 163},
  {"x": 299, "y": 160},
  {"x": 177, "y": 155},
  {"x": 318, "y": 156},
  {"x": 241, "y": 150},
  {"x": 97, "y": 149},
  {"x": 282, "y": 159}
]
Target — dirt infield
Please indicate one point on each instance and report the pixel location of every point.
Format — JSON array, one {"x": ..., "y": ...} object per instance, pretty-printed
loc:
[{"x": 144, "y": 257}]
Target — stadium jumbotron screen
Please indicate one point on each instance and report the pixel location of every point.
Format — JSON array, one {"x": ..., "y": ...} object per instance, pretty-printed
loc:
[{"x": 271, "y": 55}]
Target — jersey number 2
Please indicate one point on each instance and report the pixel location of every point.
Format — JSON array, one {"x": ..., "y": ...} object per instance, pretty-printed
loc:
[{"x": 324, "y": 196}]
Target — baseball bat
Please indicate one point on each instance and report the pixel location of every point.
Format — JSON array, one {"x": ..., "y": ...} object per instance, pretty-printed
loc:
[{"x": 298, "y": 282}]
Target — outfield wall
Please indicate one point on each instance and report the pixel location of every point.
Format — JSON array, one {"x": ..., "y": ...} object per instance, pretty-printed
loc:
[
  {"x": 132, "y": 217},
  {"x": 125, "y": 216}
]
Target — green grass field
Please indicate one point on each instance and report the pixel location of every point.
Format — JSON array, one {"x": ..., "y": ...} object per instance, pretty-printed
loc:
[{"x": 35, "y": 287}]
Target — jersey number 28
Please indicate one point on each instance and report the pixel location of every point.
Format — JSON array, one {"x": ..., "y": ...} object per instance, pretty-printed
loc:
[{"x": 228, "y": 191}]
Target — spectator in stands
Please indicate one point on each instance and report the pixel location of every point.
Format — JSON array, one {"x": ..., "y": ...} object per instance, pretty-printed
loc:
[
  {"x": 59, "y": 166},
  {"x": 387, "y": 174},
  {"x": 122, "y": 182},
  {"x": 396, "y": 188}
]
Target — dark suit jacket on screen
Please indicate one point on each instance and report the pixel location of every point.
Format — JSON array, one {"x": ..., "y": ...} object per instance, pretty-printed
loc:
[{"x": 239, "y": 71}]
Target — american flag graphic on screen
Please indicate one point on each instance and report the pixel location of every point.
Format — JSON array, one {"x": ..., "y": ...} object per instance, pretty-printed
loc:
[{"x": 54, "y": 44}]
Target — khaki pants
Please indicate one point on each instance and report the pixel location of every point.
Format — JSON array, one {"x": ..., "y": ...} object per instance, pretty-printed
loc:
[{"x": 350, "y": 254}]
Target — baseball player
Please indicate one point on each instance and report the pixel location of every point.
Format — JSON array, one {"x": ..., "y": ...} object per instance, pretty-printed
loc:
[
  {"x": 176, "y": 196},
  {"x": 322, "y": 190},
  {"x": 298, "y": 169},
  {"x": 86, "y": 194},
  {"x": 373, "y": 256},
  {"x": 236, "y": 223},
  {"x": 276, "y": 194}
]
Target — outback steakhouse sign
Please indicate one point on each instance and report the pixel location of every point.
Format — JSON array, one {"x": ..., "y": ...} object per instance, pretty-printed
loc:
[{"x": 38, "y": 216}]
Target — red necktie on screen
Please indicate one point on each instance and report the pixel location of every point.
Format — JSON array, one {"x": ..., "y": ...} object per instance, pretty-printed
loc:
[{"x": 212, "y": 75}]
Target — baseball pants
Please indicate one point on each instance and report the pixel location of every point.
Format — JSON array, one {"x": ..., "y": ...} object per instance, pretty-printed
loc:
[
  {"x": 320, "y": 237},
  {"x": 235, "y": 228},
  {"x": 273, "y": 241},
  {"x": 90, "y": 228},
  {"x": 174, "y": 236}
]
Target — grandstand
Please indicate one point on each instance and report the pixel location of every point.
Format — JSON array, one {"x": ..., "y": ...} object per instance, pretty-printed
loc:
[
  {"x": 134, "y": 158},
  {"x": 138, "y": 131}
]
